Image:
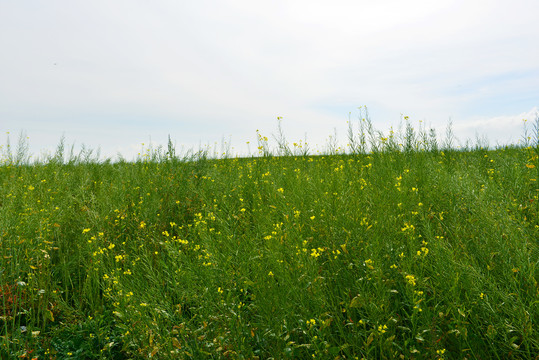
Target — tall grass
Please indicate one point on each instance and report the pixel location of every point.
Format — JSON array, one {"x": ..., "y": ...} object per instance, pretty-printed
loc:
[{"x": 399, "y": 246}]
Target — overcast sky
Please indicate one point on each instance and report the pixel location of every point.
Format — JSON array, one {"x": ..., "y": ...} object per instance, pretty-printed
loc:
[{"x": 117, "y": 73}]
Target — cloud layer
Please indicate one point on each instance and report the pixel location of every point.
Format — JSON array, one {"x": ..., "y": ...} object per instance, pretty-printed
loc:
[{"x": 114, "y": 74}]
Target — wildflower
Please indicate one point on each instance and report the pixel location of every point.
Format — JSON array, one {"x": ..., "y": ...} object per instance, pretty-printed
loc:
[
  {"x": 84, "y": 231},
  {"x": 382, "y": 329},
  {"x": 311, "y": 322},
  {"x": 142, "y": 225},
  {"x": 316, "y": 252},
  {"x": 408, "y": 226},
  {"x": 369, "y": 263},
  {"x": 281, "y": 190},
  {"x": 411, "y": 279},
  {"x": 270, "y": 273}
]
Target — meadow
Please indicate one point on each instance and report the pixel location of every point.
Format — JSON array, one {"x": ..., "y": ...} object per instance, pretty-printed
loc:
[{"x": 399, "y": 246}]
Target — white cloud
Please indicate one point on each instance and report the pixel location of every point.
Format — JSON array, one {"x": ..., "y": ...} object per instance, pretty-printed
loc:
[
  {"x": 207, "y": 69},
  {"x": 499, "y": 129}
]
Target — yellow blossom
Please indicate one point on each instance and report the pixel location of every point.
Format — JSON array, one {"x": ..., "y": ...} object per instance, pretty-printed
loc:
[{"x": 411, "y": 279}]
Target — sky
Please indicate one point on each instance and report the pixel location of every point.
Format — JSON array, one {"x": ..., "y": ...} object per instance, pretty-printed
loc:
[{"x": 113, "y": 75}]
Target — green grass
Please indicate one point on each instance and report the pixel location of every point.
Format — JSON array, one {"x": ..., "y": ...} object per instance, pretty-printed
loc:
[{"x": 414, "y": 251}]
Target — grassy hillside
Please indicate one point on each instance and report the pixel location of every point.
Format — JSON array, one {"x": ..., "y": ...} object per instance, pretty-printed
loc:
[{"x": 404, "y": 251}]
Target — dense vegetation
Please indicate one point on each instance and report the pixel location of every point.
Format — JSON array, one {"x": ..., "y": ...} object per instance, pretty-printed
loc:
[{"x": 399, "y": 248}]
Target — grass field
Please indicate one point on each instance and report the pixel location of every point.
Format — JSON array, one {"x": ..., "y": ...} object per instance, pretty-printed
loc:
[{"x": 396, "y": 247}]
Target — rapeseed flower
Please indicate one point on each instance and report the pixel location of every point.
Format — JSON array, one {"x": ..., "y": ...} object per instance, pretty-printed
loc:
[{"x": 411, "y": 279}]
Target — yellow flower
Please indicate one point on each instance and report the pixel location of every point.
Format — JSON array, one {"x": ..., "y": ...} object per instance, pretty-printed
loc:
[
  {"x": 411, "y": 279},
  {"x": 270, "y": 273},
  {"x": 84, "y": 231},
  {"x": 408, "y": 226},
  {"x": 369, "y": 264}
]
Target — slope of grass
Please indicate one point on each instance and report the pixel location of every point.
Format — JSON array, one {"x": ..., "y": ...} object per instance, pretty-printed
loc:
[{"x": 400, "y": 252}]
